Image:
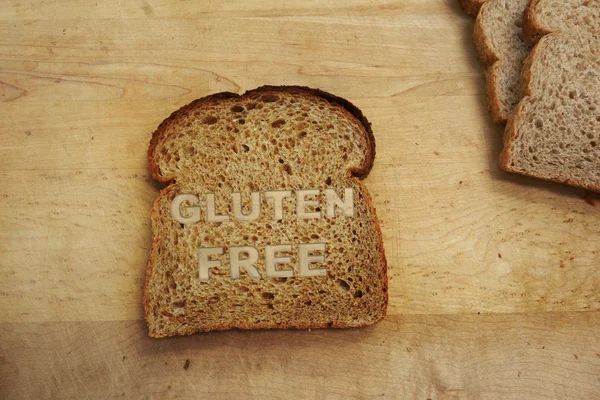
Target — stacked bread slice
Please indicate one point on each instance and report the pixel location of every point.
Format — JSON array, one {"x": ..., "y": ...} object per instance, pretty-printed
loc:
[{"x": 549, "y": 97}]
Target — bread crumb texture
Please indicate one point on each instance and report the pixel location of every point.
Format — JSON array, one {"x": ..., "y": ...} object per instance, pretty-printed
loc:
[
  {"x": 270, "y": 138},
  {"x": 554, "y": 133}
]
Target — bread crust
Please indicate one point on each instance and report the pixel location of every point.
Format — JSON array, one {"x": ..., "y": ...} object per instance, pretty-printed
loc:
[
  {"x": 359, "y": 172},
  {"x": 492, "y": 61},
  {"x": 532, "y": 29},
  {"x": 511, "y": 132},
  {"x": 354, "y": 113},
  {"x": 471, "y": 7}
]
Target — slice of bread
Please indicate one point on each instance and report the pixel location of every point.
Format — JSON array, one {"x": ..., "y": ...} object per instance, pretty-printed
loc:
[
  {"x": 268, "y": 139},
  {"x": 554, "y": 133},
  {"x": 471, "y": 7},
  {"x": 498, "y": 37},
  {"x": 546, "y": 16}
]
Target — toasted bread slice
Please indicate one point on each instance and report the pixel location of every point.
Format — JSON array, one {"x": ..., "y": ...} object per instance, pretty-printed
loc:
[{"x": 268, "y": 139}]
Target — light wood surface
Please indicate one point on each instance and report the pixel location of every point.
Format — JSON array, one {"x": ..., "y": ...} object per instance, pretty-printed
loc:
[{"x": 494, "y": 279}]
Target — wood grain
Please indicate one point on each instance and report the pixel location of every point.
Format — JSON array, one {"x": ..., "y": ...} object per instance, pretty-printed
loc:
[
  {"x": 82, "y": 87},
  {"x": 520, "y": 356}
]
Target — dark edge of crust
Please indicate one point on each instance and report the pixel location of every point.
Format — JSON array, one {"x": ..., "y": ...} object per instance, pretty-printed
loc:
[
  {"x": 532, "y": 30},
  {"x": 471, "y": 7},
  {"x": 492, "y": 61},
  {"x": 495, "y": 108},
  {"x": 160, "y": 131},
  {"x": 512, "y": 133},
  {"x": 359, "y": 172},
  {"x": 482, "y": 42}
]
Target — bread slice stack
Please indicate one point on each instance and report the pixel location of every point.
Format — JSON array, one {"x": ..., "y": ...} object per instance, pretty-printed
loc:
[{"x": 549, "y": 97}]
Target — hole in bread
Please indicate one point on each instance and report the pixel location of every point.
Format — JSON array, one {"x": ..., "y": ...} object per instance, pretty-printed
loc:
[
  {"x": 358, "y": 294},
  {"x": 572, "y": 94},
  {"x": 278, "y": 123},
  {"x": 328, "y": 181},
  {"x": 209, "y": 120},
  {"x": 237, "y": 109},
  {"x": 539, "y": 123},
  {"x": 246, "y": 148},
  {"x": 178, "y": 304},
  {"x": 241, "y": 121},
  {"x": 330, "y": 126},
  {"x": 244, "y": 289},
  {"x": 269, "y": 98},
  {"x": 287, "y": 168},
  {"x": 268, "y": 296},
  {"x": 250, "y": 106},
  {"x": 343, "y": 284},
  {"x": 214, "y": 299}
]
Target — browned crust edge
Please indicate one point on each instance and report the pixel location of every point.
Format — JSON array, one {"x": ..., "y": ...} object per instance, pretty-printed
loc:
[
  {"x": 511, "y": 132},
  {"x": 532, "y": 29},
  {"x": 359, "y": 172},
  {"x": 471, "y": 7},
  {"x": 355, "y": 113},
  {"x": 493, "y": 62}
]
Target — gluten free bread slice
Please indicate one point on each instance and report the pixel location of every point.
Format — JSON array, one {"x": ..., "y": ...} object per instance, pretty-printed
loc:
[
  {"x": 498, "y": 37},
  {"x": 271, "y": 138}
]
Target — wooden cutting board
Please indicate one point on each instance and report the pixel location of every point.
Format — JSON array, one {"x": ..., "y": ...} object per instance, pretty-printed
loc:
[{"x": 494, "y": 278}]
